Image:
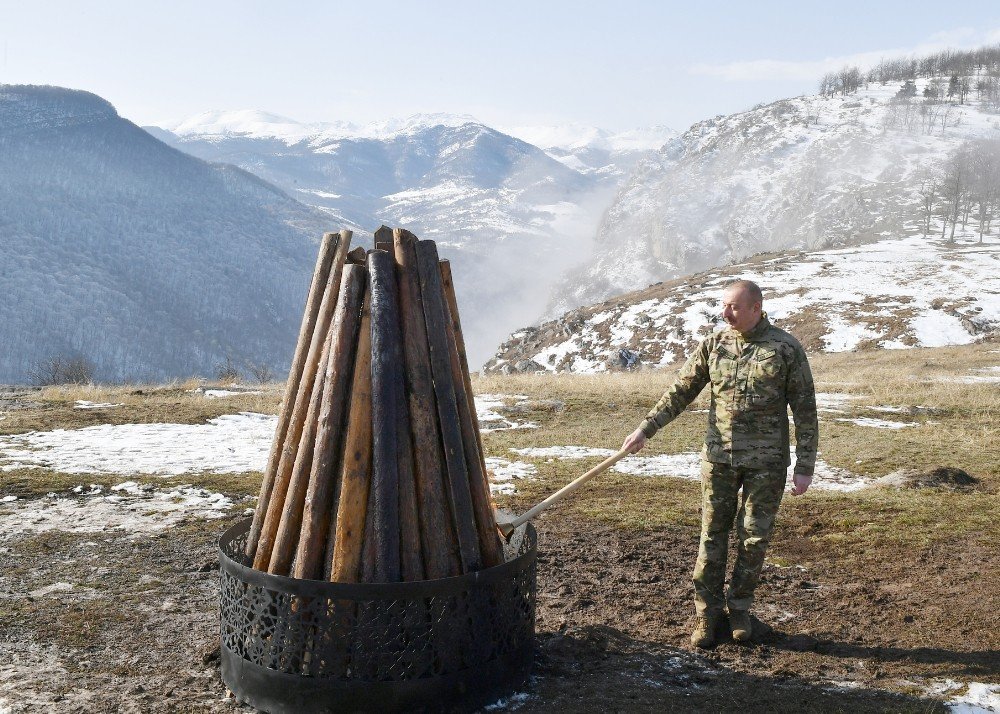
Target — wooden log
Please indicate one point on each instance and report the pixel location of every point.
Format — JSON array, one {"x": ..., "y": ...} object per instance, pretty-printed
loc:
[
  {"x": 387, "y": 382},
  {"x": 448, "y": 285},
  {"x": 436, "y": 317},
  {"x": 410, "y": 557},
  {"x": 486, "y": 525},
  {"x": 287, "y": 534},
  {"x": 383, "y": 239},
  {"x": 437, "y": 534},
  {"x": 324, "y": 261},
  {"x": 358, "y": 256},
  {"x": 347, "y": 531},
  {"x": 323, "y": 475},
  {"x": 289, "y": 449}
]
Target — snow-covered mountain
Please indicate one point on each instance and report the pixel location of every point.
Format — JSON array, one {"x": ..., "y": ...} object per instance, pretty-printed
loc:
[
  {"x": 591, "y": 149},
  {"x": 806, "y": 173},
  {"x": 920, "y": 291},
  {"x": 510, "y": 216},
  {"x": 142, "y": 259}
]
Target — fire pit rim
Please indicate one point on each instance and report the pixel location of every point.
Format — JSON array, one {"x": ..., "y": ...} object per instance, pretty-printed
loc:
[{"x": 372, "y": 591}]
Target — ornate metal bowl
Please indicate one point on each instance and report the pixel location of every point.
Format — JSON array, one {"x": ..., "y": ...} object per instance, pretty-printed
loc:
[{"x": 300, "y": 646}]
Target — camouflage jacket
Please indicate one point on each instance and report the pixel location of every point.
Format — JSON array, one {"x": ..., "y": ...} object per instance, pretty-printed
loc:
[{"x": 755, "y": 377}]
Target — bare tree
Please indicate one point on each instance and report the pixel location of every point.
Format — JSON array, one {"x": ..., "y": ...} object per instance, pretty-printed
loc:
[
  {"x": 954, "y": 187},
  {"x": 63, "y": 369},
  {"x": 984, "y": 180},
  {"x": 946, "y": 115},
  {"x": 260, "y": 371},
  {"x": 227, "y": 371},
  {"x": 928, "y": 192}
]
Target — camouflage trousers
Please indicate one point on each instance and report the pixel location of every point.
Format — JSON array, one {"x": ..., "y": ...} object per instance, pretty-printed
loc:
[{"x": 758, "y": 504}]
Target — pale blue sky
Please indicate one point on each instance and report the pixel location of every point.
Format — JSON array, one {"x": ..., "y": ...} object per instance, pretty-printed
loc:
[{"x": 613, "y": 64}]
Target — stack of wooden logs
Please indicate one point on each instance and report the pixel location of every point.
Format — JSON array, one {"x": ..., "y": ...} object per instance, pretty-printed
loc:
[{"x": 377, "y": 473}]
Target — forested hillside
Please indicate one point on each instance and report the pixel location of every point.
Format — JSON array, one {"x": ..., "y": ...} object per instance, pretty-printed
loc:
[{"x": 137, "y": 258}]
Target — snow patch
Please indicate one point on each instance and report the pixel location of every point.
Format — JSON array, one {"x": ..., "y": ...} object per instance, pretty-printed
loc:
[
  {"x": 220, "y": 393},
  {"x": 686, "y": 465},
  {"x": 563, "y": 452},
  {"x": 492, "y": 420},
  {"x": 84, "y": 404},
  {"x": 833, "y": 402},
  {"x": 232, "y": 443},
  {"x": 844, "y": 336},
  {"x": 978, "y": 698},
  {"x": 974, "y": 697},
  {"x": 504, "y": 471},
  {"x": 129, "y": 507},
  {"x": 879, "y": 423},
  {"x": 981, "y": 378}
]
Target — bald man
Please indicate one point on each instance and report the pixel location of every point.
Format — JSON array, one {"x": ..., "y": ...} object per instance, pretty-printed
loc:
[{"x": 756, "y": 371}]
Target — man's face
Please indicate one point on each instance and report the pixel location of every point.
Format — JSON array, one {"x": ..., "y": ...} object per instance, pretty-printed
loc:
[{"x": 739, "y": 310}]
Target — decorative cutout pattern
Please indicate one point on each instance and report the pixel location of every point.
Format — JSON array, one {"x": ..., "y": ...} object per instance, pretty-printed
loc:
[{"x": 379, "y": 633}]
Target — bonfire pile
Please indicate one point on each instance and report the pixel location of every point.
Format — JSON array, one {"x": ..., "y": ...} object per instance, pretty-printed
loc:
[{"x": 376, "y": 473}]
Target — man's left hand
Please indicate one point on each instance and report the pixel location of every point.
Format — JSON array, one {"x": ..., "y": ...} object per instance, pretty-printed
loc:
[{"x": 800, "y": 484}]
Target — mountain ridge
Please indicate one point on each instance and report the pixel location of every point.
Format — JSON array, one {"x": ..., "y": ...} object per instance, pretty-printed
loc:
[
  {"x": 803, "y": 173},
  {"x": 147, "y": 262}
]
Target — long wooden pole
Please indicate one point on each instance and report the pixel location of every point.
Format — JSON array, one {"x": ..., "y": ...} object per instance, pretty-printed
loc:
[
  {"x": 436, "y": 317},
  {"x": 448, "y": 284},
  {"x": 437, "y": 534},
  {"x": 410, "y": 556},
  {"x": 323, "y": 479},
  {"x": 345, "y": 541},
  {"x": 508, "y": 528},
  {"x": 387, "y": 382},
  {"x": 324, "y": 261},
  {"x": 286, "y": 536},
  {"x": 486, "y": 526},
  {"x": 358, "y": 256},
  {"x": 383, "y": 239},
  {"x": 290, "y": 445}
]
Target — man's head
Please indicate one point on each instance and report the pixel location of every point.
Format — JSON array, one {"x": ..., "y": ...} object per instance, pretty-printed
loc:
[{"x": 741, "y": 305}]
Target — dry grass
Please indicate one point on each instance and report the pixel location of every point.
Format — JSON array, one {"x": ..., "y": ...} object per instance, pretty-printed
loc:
[
  {"x": 174, "y": 403},
  {"x": 958, "y": 424},
  {"x": 957, "y": 427}
]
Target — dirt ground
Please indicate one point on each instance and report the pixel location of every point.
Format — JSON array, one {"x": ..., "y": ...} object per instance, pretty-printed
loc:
[
  {"x": 615, "y": 614},
  {"x": 613, "y": 619}
]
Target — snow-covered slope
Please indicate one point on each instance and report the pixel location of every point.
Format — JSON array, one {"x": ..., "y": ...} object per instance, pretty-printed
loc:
[
  {"x": 146, "y": 261},
  {"x": 489, "y": 199},
  {"x": 894, "y": 293},
  {"x": 806, "y": 173}
]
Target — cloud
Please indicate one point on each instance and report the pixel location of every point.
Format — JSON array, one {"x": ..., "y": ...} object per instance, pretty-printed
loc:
[{"x": 771, "y": 70}]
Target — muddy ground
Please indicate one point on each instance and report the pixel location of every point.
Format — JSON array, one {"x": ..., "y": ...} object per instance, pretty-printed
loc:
[
  {"x": 615, "y": 615},
  {"x": 138, "y": 632}
]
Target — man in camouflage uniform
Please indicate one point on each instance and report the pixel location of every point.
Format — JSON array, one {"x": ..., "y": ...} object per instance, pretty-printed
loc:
[{"x": 756, "y": 371}]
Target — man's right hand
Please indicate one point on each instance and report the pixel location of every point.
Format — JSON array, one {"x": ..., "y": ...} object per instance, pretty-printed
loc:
[{"x": 634, "y": 442}]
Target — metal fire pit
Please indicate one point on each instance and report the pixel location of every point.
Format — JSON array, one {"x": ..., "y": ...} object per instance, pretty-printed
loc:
[{"x": 453, "y": 644}]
